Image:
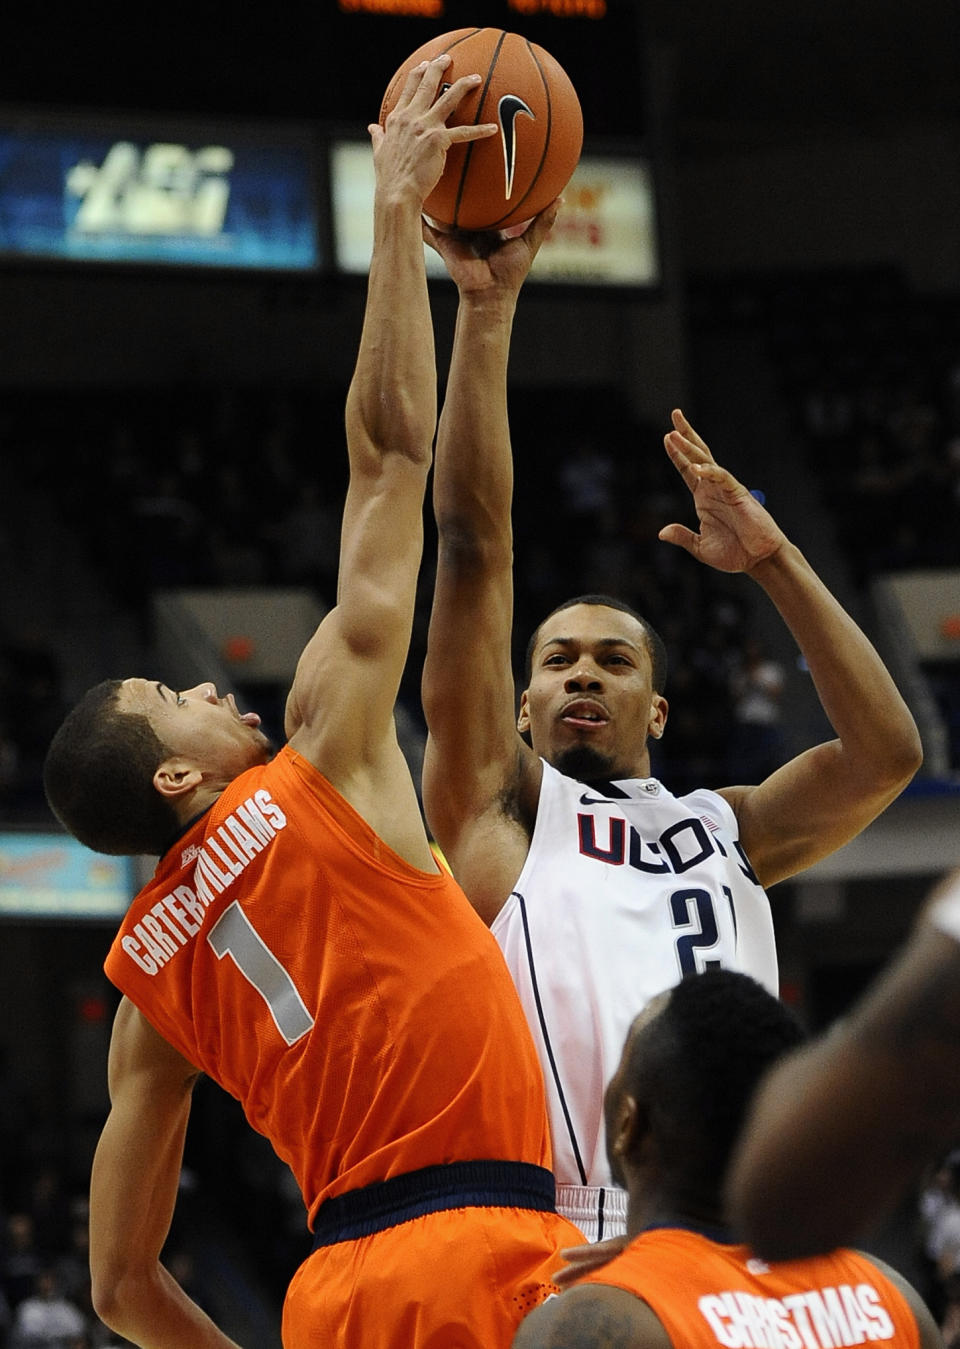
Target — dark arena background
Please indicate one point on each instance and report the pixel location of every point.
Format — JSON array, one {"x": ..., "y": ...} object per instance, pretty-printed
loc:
[{"x": 762, "y": 231}]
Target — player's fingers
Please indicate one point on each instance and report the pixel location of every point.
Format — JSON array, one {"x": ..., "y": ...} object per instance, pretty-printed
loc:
[
  {"x": 567, "y": 1274},
  {"x": 548, "y": 216},
  {"x": 687, "y": 431},
  {"x": 683, "y": 450},
  {"x": 593, "y": 1253},
  {"x": 695, "y": 470},
  {"x": 516, "y": 231},
  {"x": 541, "y": 225},
  {"x": 423, "y": 81},
  {"x": 479, "y": 132},
  {"x": 691, "y": 463},
  {"x": 680, "y": 450},
  {"x": 681, "y": 536},
  {"x": 582, "y": 1259},
  {"x": 453, "y": 94},
  {"x": 410, "y": 85}
]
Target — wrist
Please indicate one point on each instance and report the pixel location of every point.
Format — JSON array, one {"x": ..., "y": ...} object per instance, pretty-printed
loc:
[
  {"x": 783, "y": 559},
  {"x": 397, "y": 201},
  {"x": 489, "y": 303}
]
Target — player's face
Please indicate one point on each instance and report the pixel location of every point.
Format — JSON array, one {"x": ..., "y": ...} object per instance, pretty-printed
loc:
[
  {"x": 200, "y": 726},
  {"x": 590, "y": 704}
]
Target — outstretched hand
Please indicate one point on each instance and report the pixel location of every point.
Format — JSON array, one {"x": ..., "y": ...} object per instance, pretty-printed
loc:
[
  {"x": 491, "y": 260},
  {"x": 410, "y": 150},
  {"x": 736, "y": 532},
  {"x": 584, "y": 1259}
]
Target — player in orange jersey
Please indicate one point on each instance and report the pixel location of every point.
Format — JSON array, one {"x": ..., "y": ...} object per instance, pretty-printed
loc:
[
  {"x": 684, "y": 1280},
  {"x": 299, "y": 942}
]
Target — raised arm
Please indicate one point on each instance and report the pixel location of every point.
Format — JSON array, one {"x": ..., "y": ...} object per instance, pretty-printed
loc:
[
  {"x": 828, "y": 794},
  {"x": 474, "y": 754},
  {"x": 842, "y": 1127},
  {"x": 133, "y": 1190},
  {"x": 341, "y": 707}
]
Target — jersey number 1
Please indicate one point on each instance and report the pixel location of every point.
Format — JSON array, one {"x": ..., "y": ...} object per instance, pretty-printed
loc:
[{"x": 235, "y": 936}]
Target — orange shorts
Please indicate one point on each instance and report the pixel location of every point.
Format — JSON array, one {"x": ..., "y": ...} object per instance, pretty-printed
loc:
[{"x": 460, "y": 1278}]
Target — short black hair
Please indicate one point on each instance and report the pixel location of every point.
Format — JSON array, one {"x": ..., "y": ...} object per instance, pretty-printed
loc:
[
  {"x": 98, "y": 777},
  {"x": 655, "y": 644},
  {"x": 696, "y": 1066}
]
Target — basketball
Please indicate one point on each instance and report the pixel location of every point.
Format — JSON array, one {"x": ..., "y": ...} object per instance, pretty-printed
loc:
[{"x": 507, "y": 179}]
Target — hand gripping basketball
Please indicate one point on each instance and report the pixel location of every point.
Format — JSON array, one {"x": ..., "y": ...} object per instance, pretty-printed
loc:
[{"x": 507, "y": 179}]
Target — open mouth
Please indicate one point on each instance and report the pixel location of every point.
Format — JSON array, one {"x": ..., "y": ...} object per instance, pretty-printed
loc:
[
  {"x": 583, "y": 713},
  {"x": 246, "y": 718}
]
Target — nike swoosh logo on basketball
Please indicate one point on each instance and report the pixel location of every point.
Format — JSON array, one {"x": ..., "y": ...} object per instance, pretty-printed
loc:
[{"x": 508, "y": 110}]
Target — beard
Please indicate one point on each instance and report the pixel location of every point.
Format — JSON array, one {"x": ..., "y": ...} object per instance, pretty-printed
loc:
[{"x": 586, "y": 764}]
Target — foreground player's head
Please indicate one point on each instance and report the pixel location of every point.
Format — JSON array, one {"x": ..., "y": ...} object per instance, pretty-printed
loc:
[
  {"x": 691, "y": 1062},
  {"x": 595, "y": 676},
  {"x": 134, "y": 760}
]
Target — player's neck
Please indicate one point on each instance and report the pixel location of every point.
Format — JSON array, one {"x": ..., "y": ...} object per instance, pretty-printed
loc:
[{"x": 671, "y": 1209}]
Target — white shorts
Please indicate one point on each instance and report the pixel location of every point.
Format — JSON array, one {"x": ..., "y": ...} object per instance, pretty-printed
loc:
[{"x": 599, "y": 1211}]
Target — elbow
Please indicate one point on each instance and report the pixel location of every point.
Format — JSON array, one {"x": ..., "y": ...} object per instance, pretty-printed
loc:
[
  {"x": 106, "y": 1297},
  {"x": 115, "y": 1291},
  {"x": 915, "y": 752},
  {"x": 905, "y": 757},
  {"x": 888, "y": 762}
]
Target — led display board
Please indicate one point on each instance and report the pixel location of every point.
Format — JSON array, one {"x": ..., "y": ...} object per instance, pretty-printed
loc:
[
  {"x": 600, "y": 43},
  {"x": 51, "y": 875},
  {"x": 606, "y": 234},
  {"x": 324, "y": 62},
  {"x": 82, "y": 189}
]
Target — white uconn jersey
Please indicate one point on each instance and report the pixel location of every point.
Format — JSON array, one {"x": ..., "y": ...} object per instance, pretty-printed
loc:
[{"x": 626, "y": 889}]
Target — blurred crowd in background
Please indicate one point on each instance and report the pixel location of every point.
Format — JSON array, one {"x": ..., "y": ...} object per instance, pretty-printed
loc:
[{"x": 220, "y": 488}]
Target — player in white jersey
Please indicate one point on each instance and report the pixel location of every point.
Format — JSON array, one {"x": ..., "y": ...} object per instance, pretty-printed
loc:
[
  {"x": 626, "y": 888},
  {"x": 594, "y": 696},
  {"x": 841, "y": 1129}
]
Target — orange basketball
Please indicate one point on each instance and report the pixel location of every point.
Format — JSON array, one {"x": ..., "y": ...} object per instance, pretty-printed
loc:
[{"x": 506, "y": 179}]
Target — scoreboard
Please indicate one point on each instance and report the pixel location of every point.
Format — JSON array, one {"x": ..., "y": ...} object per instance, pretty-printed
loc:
[
  {"x": 600, "y": 44},
  {"x": 308, "y": 60}
]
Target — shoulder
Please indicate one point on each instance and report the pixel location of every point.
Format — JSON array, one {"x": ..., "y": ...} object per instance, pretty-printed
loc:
[
  {"x": 596, "y": 1314},
  {"x": 724, "y": 800}
]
